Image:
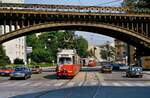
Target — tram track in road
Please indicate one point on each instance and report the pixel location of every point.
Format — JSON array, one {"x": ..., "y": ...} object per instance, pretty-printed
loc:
[
  {"x": 94, "y": 95},
  {"x": 99, "y": 85},
  {"x": 83, "y": 82},
  {"x": 59, "y": 87}
]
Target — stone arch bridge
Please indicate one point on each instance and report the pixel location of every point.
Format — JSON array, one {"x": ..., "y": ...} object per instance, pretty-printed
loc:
[{"x": 121, "y": 23}]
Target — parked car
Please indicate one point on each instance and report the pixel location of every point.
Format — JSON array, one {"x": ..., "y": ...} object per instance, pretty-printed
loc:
[
  {"x": 123, "y": 67},
  {"x": 115, "y": 66},
  {"x": 21, "y": 72},
  {"x": 134, "y": 70},
  {"x": 106, "y": 68},
  {"x": 36, "y": 69},
  {"x": 6, "y": 70}
]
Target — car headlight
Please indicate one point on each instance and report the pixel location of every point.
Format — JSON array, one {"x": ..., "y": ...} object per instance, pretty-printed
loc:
[
  {"x": 132, "y": 69},
  {"x": 138, "y": 69}
]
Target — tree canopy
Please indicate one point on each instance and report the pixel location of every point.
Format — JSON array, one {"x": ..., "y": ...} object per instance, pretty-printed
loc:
[
  {"x": 137, "y": 3},
  {"x": 46, "y": 45},
  {"x": 4, "y": 60}
]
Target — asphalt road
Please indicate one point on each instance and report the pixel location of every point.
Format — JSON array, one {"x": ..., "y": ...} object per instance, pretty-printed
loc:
[{"x": 89, "y": 83}]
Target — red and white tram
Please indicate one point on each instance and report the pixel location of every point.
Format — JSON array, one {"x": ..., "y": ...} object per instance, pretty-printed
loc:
[{"x": 68, "y": 63}]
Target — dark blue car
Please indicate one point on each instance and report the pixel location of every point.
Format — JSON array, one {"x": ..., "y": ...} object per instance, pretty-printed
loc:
[
  {"x": 21, "y": 72},
  {"x": 116, "y": 66},
  {"x": 134, "y": 70}
]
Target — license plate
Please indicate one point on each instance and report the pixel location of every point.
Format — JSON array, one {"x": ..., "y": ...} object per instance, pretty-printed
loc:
[{"x": 137, "y": 73}]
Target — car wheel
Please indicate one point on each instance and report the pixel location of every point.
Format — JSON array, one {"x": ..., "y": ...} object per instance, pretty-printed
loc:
[
  {"x": 29, "y": 76},
  {"x": 140, "y": 76},
  {"x": 25, "y": 77},
  {"x": 127, "y": 75}
]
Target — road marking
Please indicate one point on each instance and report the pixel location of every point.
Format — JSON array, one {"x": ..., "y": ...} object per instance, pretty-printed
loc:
[
  {"x": 80, "y": 84},
  {"x": 24, "y": 84},
  {"x": 139, "y": 84},
  {"x": 58, "y": 84},
  {"x": 93, "y": 83},
  {"x": 116, "y": 84},
  {"x": 15, "y": 83},
  {"x": 127, "y": 84},
  {"x": 48, "y": 84},
  {"x": 5, "y": 83},
  {"x": 148, "y": 84},
  {"x": 70, "y": 84},
  {"x": 101, "y": 78},
  {"x": 104, "y": 84},
  {"x": 37, "y": 84}
]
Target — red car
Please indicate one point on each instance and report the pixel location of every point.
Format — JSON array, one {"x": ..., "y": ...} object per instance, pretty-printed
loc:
[
  {"x": 6, "y": 70},
  {"x": 92, "y": 63}
]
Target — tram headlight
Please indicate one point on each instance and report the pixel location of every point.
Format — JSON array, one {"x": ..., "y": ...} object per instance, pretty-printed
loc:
[
  {"x": 69, "y": 71},
  {"x": 59, "y": 68}
]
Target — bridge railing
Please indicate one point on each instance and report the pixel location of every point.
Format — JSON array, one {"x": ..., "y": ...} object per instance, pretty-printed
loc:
[{"x": 65, "y": 8}]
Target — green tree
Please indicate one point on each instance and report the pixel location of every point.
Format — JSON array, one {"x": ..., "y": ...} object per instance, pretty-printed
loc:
[
  {"x": 46, "y": 45},
  {"x": 18, "y": 61},
  {"x": 137, "y": 3},
  {"x": 4, "y": 60},
  {"x": 82, "y": 46}
]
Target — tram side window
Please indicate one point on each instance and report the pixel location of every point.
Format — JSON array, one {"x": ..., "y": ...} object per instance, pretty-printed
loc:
[{"x": 65, "y": 61}]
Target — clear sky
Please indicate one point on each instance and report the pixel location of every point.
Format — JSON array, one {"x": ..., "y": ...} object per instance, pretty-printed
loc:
[
  {"x": 78, "y": 2},
  {"x": 95, "y": 39}
]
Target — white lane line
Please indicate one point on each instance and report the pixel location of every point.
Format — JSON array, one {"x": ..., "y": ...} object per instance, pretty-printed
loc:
[
  {"x": 5, "y": 83},
  {"x": 15, "y": 83},
  {"x": 25, "y": 84},
  {"x": 93, "y": 83},
  {"x": 58, "y": 84},
  {"x": 37, "y": 84},
  {"x": 48, "y": 84},
  {"x": 139, "y": 84},
  {"x": 105, "y": 84},
  {"x": 147, "y": 84},
  {"x": 127, "y": 84},
  {"x": 80, "y": 84},
  {"x": 116, "y": 84},
  {"x": 71, "y": 84}
]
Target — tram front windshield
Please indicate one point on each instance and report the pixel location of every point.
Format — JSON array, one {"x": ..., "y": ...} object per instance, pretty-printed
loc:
[{"x": 65, "y": 60}]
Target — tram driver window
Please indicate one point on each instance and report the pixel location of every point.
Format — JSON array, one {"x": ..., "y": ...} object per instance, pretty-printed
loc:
[{"x": 65, "y": 61}]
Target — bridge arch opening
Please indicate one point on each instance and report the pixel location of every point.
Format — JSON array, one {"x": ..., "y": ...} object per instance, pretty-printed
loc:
[{"x": 122, "y": 34}]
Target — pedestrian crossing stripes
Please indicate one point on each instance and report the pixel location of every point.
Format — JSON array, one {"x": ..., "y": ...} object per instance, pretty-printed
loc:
[
  {"x": 70, "y": 84},
  {"x": 132, "y": 84}
]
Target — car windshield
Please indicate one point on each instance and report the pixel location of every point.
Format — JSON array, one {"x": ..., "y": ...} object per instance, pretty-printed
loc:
[
  {"x": 19, "y": 68},
  {"x": 65, "y": 60},
  {"x": 107, "y": 65}
]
